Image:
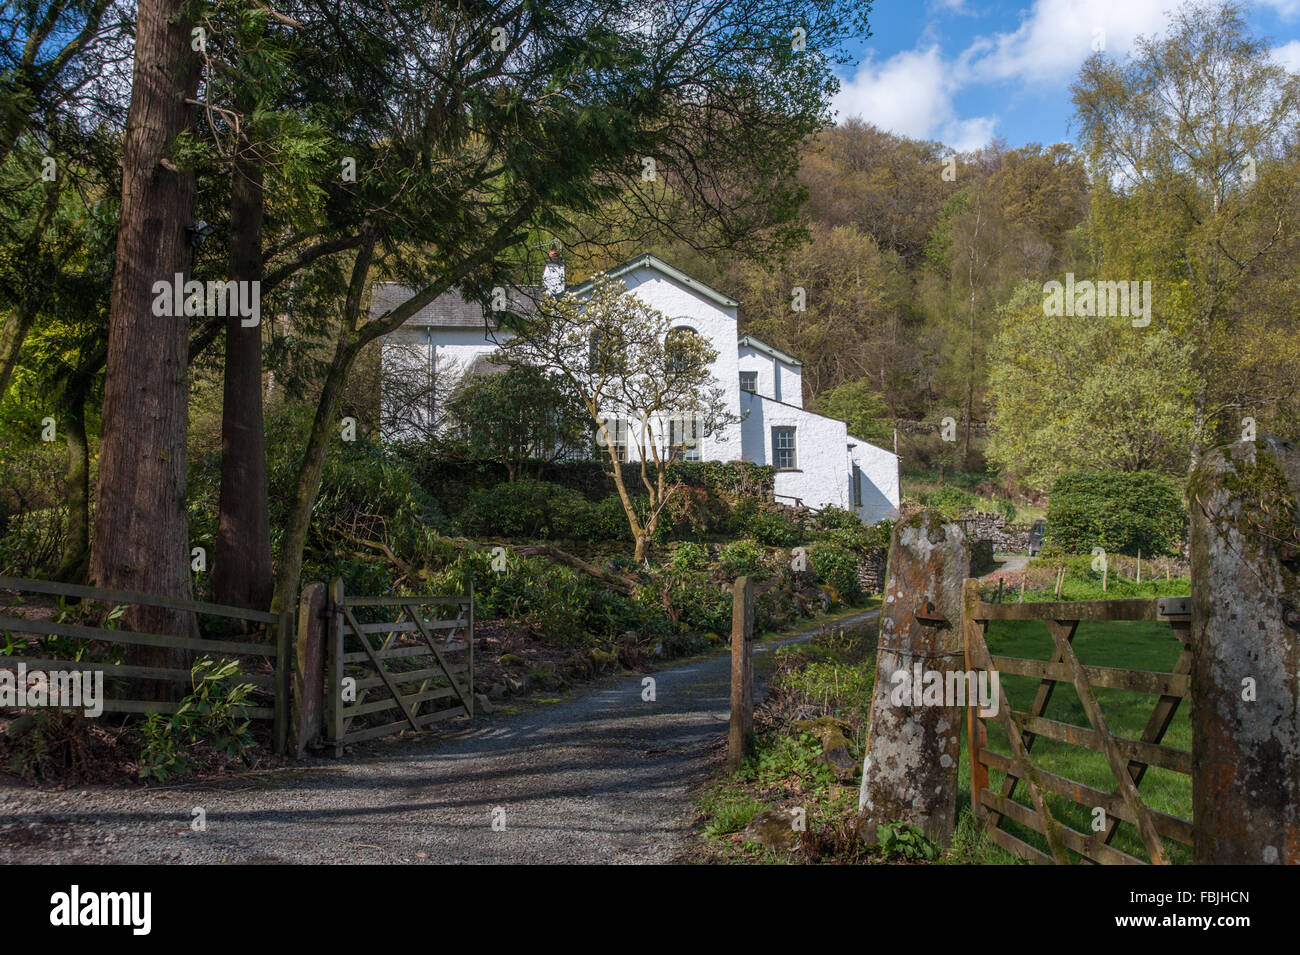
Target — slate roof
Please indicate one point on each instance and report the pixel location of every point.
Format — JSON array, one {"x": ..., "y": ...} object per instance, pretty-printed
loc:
[
  {"x": 448, "y": 310},
  {"x": 659, "y": 265},
  {"x": 766, "y": 349}
]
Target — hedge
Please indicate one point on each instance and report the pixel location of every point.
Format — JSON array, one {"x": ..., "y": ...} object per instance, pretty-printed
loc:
[{"x": 1122, "y": 512}]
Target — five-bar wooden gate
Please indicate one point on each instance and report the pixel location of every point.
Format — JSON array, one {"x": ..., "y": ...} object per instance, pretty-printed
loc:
[
  {"x": 1128, "y": 759},
  {"x": 418, "y": 666}
]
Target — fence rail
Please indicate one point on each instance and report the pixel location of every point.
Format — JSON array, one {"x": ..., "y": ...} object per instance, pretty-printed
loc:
[{"x": 273, "y": 652}]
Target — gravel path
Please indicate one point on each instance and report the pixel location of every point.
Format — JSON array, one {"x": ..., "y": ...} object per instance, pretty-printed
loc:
[{"x": 601, "y": 777}]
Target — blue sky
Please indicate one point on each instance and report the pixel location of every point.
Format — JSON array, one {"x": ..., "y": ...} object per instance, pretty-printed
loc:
[{"x": 963, "y": 71}]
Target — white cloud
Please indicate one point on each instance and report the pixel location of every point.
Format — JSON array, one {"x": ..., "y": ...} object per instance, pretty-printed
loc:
[
  {"x": 1288, "y": 55},
  {"x": 1286, "y": 9},
  {"x": 1056, "y": 36},
  {"x": 910, "y": 94}
]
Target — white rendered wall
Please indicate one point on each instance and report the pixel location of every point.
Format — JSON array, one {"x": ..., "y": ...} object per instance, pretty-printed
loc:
[
  {"x": 776, "y": 379},
  {"x": 880, "y": 488},
  {"x": 821, "y": 452},
  {"x": 716, "y": 324}
]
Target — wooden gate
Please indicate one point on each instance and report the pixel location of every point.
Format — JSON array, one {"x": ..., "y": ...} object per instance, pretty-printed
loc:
[
  {"x": 1127, "y": 759},
  {"x": 418, "y": 666}
]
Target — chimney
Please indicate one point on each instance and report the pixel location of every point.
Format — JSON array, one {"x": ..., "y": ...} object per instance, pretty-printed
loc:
[{"x": 553, "y": 273}]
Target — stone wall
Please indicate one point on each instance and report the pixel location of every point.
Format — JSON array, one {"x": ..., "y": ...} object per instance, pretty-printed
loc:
[
  {"x": 871, "y": 571},
  {"x": 979, "y": 525}
]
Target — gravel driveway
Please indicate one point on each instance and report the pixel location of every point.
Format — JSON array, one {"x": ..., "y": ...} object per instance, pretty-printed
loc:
[{"x": 600, "y": 777}]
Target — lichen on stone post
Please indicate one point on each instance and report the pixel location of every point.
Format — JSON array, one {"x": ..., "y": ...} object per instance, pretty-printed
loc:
[
  {"x": 1245, "y": 554},
  {"x": 909, "y": 773}
]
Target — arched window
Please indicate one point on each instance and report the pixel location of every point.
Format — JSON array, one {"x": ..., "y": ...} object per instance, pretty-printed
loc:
[{"x": 673, "y": 342}]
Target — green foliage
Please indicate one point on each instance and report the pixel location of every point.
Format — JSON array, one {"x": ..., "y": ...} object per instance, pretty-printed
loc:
[
  {"x": 730, "y": 481},
  {"x": 794, "y": 756},
  {"x": 836, "y": 567},
  {"x": 52, "y": 748},
  {"x": 526, "y": 509},
  {"x": 835, "y": 686},
  {"x": 1118, "y": 511},
  {"x": 208, "y": 721},
  {"x": 686, "y": 557},
  {"x": 517, "y": 417},
  {"x": 897, "y": 839},
  {"x": 702, "y": 605},
  {"x": 861, "y": 406},
  {"x": 1007, "y": 508},
  {"x": 607, "y": 521},
  {"x": 766, "y": 524},
  {"x": 861, "y": 538},
  {"x": 837, "y": 518},
  {"x": 1086, "y": 393},
  {"x": 729, "y": 812},
  {"x": 741, "y": 557},
  {"x": 948, "y": 500}
]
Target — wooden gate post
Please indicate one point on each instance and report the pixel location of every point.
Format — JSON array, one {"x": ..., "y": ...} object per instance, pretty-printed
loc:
[
  {"x": 976, "y": 734},
  {"x": 284, "y": 642},
  {"x": 909, "y": 773},
  {"x": 334, "y": 667},
  {"x": 1245, "y": 687},
  {"x": 742, "y": 671},
  {"x": 309, "y": 669}
]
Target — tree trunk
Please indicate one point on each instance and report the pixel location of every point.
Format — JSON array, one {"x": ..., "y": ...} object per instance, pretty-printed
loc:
[
  {"x": 313, "y": 462},
  {"x": 12, "y": 335},
  {"x": 76, "y": 548},
  {"x": 141, "y": 535},
  {"x": 241, "y": 571},
  {"x": 19, "y": 321}
]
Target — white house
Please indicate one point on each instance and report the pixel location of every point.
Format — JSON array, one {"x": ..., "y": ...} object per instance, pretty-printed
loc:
[{"x": 818, "y": 462}]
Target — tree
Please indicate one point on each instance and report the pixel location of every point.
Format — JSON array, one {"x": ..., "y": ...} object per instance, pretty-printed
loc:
[
  {"x": 1085, "y": 393},
  {"x": 632, "y": 375},
  {"x": 1194, "y": 139},
  {"x": 842, "y": 324},
  {"x": 520, "y": 416},
  {"x": 860, "y": 406},
  {"x": 59, "y": 63},
  {"x": 140, "y": 541}
]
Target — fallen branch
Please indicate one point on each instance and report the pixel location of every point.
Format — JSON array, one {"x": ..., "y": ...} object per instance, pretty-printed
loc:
[{"x": 624, "y": 584}]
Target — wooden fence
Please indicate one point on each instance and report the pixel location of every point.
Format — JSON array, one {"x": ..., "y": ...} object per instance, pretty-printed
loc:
[
  {"x": 267, "y": 669},
  {"x": 400, "y": 667},
  {"x": 1128, "y": 759}
]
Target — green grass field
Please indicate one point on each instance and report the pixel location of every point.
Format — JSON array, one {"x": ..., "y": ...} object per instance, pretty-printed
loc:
[{"x": 1132, "y": 645}]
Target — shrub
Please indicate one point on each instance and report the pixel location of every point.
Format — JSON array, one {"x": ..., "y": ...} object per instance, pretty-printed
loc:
[
  {"x": 837, "y": 518},
  {"x": 950, "y": 500},
  {"x": 740, "y": 557},
  {"x": 525, "y": 509},
  {"x": 702, "y": 605},
  {"x": 210, "y": 717},
  {"x": 836, "y": 567},
  {"x": 767, "y": 525},
  {"x": 861, "y": 538},
  {"x": 686, "y": 557},
  {"x": 606, "y": 521},
  {"x": 1122, "y": 512}
]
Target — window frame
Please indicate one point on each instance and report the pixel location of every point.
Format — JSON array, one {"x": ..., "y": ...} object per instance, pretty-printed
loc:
[
  {"x": 778, "y": 449},
  {"x": 754, "y": 376}
]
